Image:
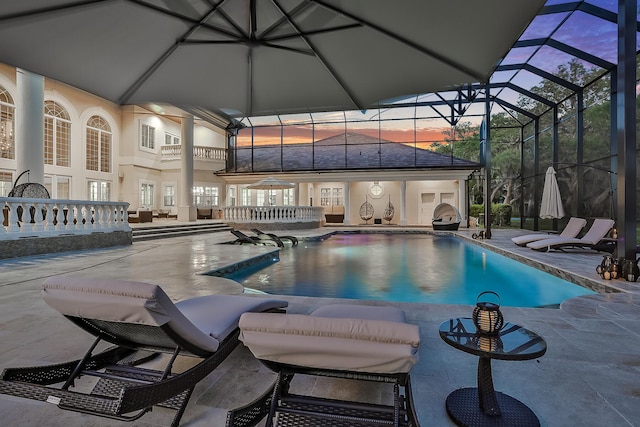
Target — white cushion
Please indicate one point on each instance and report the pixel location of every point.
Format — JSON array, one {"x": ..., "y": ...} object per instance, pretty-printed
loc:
[
  {"x": 196, "y": 320},
  {"x": 336, "y": 343}
]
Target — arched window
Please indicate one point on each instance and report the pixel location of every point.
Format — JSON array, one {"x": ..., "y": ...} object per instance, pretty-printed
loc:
[
  {"x": 7, "y": 125},
  {"x": 57, "y": 135},
  {"x": 98, "y": 144}
]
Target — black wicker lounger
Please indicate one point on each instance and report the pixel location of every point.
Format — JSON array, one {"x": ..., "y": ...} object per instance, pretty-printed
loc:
[
  {"x": 261, "y": 234},
  {"x": 255, "y": 240},
  {"x": 342, "y": 341},
  {"x": 142, "y": 322}
]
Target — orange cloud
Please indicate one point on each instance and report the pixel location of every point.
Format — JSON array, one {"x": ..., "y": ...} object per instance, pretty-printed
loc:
[{"x": 273, "y": 135}]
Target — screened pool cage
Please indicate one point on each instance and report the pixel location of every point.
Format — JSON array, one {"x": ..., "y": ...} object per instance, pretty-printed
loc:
[{"x": 557, "y": 99}]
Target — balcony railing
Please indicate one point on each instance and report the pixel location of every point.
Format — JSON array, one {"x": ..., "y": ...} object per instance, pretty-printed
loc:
[
  {"x": 173, "y": 152},
  {"x": 25, "y": 217},
  {"x": 274, "y": 217}
]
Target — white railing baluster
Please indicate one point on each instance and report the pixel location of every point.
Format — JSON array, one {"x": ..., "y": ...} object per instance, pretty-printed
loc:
[
  {"x": 47, "y": 217},
  {"x": 273, "y": 214}
]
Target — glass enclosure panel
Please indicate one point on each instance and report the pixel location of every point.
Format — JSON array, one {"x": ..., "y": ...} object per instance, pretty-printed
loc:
[
  {"x": 363, "y": 132},
  {"x": 597, "y": 132},
  {"x": 267, "y": 158},
  {"x": 297, "y": 134},
  {"x": 528, "y": 155},
  {"x": 545, "y": 151},
  {"x": 398, "y": 113},
  {"x": 567, "y": 144},
  {"x": 297, "y": 157},
  {"x": 244, "y": 138},
  {"x": 601, "y": 43},
  {"x": 267, "y": 135},
  {"x": 329, "y": 133},
  {"x": 292, "y": 119},
  {"x": 543, "y": 25},
  {"x": 329, "y": 157},
  {"x": 398, "y": 131},
  {"x": 519, "y": 55},
  {"x": 244, "y": 160},
  {"x": 528, "y": 198}
]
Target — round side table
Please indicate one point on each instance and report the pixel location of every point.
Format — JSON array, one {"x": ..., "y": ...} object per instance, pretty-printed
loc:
[{"x": 483, "y": 406}]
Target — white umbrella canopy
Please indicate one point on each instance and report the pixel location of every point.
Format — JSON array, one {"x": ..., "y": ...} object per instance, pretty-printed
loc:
[
  {"x": 270, "y": 183},
  {"x": 551, "y": 206},
  {"x": 256, "y": 57}
]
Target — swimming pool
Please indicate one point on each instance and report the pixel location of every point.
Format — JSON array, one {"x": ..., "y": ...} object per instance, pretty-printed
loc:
[{"x": 405, "y": 268}]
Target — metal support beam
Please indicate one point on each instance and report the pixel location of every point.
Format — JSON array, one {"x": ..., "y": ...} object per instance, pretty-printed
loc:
[
  {"x": 536, "y": 173},
  {"x": 613, "y": 143},
  {"x": 521, "y": 177},
  {"x": 555, "y": 150},
  {"x": 580, "y": 151},
  {"x": 487, "y": 163},
  {"x": 626, "y": 128}
]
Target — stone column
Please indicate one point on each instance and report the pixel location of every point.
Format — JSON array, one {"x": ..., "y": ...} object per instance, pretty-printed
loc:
[
  {"x": 30, "y": 126},
  {"x": 296, "y": 197},
  {"x": 403, "y": 202},
  {"x": 462, "y": 201},
  {"x": 186, "y": 211},
  {"x": 347, "y": 204}
]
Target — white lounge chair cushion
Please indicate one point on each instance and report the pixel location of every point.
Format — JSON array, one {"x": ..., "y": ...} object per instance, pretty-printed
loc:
[
  {"x": 219, "y": 315},
  {"x": 335, "y": 343},
  {"x": 349, "y": 311},
  {"x": 596, "y": 233},
  {"x": 203, "y": 321},
  {"x": 571, "y": 230}
]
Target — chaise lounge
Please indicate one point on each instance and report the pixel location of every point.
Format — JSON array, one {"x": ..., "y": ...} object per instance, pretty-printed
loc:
[
  {"x": 255, "y": 240},
  {"x": 342, "y": 341},
  {"x": 143, "y": 323},
  {"x": 263, "y": 235},
  {"x": 593, "y": 239},
  {"x": 571, "y": 230}
]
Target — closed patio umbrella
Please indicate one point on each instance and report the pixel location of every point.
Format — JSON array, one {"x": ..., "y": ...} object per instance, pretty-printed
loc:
[{"x": 551, "y": 206}]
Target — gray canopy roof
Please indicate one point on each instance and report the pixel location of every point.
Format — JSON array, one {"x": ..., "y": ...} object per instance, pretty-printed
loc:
[{"x": 251, "y": 57}]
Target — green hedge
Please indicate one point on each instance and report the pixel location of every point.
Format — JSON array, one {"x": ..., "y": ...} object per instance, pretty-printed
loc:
[{"x": 500, "y": 213}]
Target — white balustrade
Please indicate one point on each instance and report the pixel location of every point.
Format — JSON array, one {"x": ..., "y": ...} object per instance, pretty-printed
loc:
[
  {"x": 173, "y": 152},
  {"x": 25, "y": 217},
  {"x": 271, "y": 214}
]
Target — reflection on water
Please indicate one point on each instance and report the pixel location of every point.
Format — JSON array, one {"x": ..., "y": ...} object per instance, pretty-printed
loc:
[{"x": 405, "y": 268}]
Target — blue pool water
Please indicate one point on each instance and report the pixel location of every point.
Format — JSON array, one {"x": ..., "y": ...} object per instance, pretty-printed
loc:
[{"x": 405, "y": 268}]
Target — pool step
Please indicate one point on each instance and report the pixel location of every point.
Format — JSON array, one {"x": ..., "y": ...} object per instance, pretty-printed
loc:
[{"x": 165, "y": 231}]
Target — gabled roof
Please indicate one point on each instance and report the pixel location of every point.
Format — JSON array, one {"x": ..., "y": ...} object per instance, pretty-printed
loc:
[{"x": 349, "y": 151}]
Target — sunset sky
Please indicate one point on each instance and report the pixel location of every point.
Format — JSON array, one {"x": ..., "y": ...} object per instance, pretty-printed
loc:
[{"x": 303, "y": 134}]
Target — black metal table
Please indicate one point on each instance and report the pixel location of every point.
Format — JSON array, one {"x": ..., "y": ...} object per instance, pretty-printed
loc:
[{"x": 483, "y": 406}]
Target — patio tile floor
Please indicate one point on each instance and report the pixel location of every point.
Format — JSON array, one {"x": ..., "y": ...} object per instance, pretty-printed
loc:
[{"x": 590, "y": 375}]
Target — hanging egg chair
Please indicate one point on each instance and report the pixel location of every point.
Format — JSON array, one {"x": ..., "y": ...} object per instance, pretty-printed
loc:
[{"x": 366, "y": 211}]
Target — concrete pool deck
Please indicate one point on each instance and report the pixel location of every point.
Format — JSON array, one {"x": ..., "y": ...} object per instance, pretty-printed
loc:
[{"x": 590, "y": 375}]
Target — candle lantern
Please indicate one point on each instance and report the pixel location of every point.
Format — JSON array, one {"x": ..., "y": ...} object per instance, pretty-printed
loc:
[
  {"x": 608, "y": 268},
  {"x": 630, "y": 270},
  {"x": 486, "y": 315}
]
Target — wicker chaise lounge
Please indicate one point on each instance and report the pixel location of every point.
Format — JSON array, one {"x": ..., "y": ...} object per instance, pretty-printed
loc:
[
  {"x": 255, "y": 240},
  {"x": 143, "y": 323},
  {"x": 340, "y": 340},
  {"x": 262, "y": 235}
]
